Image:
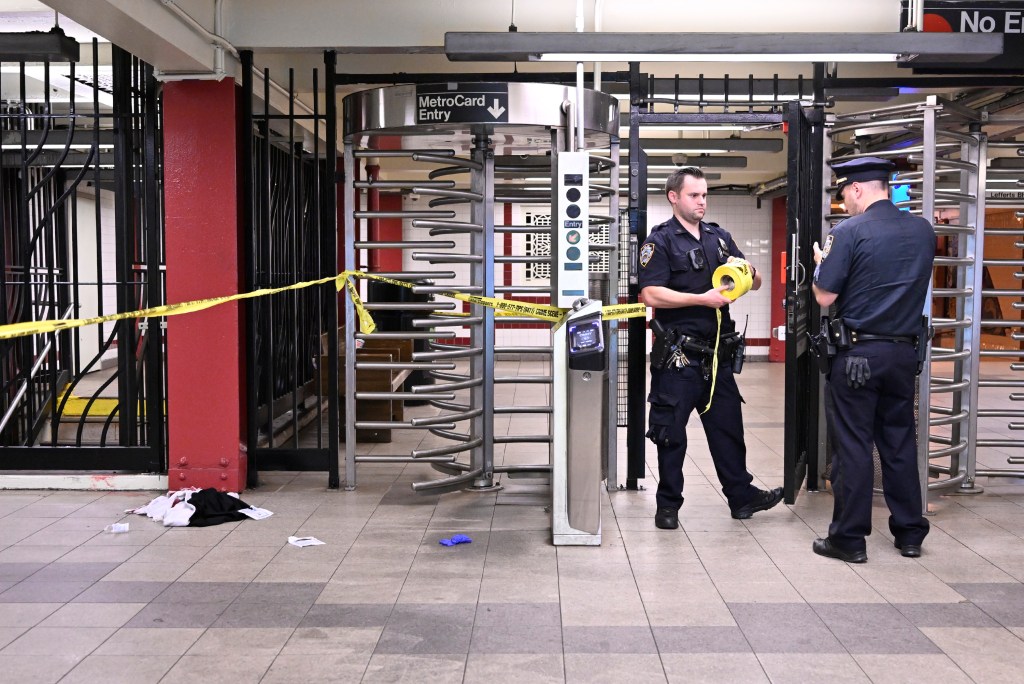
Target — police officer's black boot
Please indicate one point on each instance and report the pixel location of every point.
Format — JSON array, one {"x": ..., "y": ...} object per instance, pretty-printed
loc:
[{"x": 666, "y": 519}]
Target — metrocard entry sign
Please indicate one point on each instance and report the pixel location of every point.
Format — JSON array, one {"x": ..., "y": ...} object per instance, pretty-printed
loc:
[{"x": 462, "y": 103}]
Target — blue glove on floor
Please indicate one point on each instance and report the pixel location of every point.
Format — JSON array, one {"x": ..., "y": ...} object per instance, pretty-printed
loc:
[{"x": 456, "y": 539}]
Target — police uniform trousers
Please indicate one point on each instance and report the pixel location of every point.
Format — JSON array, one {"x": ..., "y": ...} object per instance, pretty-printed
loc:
[
  {"x": 881, "y": 412},
  {"x": 675, "y": 393}
]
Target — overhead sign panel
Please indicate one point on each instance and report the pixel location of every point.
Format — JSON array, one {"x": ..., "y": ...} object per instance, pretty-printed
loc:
[
  {"x": 976, "y": 16},
  {"x": 462, "y": 103}
]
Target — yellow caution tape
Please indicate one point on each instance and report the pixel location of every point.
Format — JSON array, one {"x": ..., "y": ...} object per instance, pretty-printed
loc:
[
  {"x": 738, "y": 277},
  {"x": 735, "y": 275},
  {"x": 506, "y": 307}
]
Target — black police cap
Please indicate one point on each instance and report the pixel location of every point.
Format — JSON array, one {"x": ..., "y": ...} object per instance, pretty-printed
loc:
[{"x": 860, "y": 170}]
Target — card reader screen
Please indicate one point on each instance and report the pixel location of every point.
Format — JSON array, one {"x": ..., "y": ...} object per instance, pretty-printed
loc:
[
  {"x": 585, "y": 337},
  {"x": 572, "y": 179}
]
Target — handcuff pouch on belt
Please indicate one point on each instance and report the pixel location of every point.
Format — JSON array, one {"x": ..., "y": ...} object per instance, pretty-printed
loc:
[{"x": 924, "y": 340}]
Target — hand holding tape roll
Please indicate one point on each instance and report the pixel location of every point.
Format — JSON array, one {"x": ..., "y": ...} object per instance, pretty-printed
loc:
[{"x": 736, "y": 275}]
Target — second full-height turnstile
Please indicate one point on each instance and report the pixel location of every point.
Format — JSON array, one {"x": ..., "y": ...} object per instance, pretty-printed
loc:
[{"x": 472, "y": 163}]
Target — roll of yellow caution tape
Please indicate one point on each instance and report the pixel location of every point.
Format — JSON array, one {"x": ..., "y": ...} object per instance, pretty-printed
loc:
[{"x": 736, "y": 275}]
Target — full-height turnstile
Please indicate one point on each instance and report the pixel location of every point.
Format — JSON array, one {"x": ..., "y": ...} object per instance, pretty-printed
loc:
[
  {"x": 954, "y": 177},
  {"x": 472, "y": 161}
]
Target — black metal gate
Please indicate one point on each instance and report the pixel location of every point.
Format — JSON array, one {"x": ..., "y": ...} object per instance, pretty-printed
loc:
[
  {"x": 82, "y": 236},
  {"x": 290, "y": 238},
  {"x": 803, "y": 217}
]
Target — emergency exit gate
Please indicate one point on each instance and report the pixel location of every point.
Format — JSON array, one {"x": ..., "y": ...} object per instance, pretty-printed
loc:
[{"x": 952, "y": 184}]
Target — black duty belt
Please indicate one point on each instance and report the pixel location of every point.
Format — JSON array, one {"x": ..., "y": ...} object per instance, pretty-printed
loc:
[{"x": 868, "y": 337}]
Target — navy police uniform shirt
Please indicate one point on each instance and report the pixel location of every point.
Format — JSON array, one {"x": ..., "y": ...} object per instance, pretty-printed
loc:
[
  {"x": 879, "y": 263},
  {"x": 673, "y": 258}
]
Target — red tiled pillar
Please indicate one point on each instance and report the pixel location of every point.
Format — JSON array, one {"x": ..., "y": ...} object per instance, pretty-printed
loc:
[{"x": 205, "y": 350}]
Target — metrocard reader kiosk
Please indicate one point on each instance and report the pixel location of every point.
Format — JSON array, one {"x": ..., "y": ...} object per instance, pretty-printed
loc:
[{"x": 580, "y": 366}]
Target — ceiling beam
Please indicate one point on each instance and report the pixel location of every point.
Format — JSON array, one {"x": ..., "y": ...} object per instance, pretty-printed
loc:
[{"x": 917, "y": 48}]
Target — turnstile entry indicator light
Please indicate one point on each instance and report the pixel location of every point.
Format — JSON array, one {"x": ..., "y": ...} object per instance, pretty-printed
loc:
[
  {"x": 573, "y": 194},
  {"x": 572, "y": 211},
  {"x": 586, "y": 338}
]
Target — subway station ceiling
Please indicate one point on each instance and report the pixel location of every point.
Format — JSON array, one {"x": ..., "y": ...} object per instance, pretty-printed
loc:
[{"x": 379, "y": 43}]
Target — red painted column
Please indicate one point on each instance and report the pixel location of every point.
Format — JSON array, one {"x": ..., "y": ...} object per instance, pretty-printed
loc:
[{"x": 205, "y": 357}]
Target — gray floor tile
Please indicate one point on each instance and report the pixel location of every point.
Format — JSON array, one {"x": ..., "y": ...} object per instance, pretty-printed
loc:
[
  {"x": 120, "y": 669},
  {"x": 946, "y": 615},
  {"x": 15, "y": 572},
  {"x": 613, "y": 668},
  {"x": 428, "y": 629},
  {"x": 516, "y": 638},
  {"x": 1007, "y": 613},
  {"x": 28, "y": 591},
  {"x": 990, "y": 592},
  {"x": 911, "y": 669},
  {"x": 784, "y": 628},
  {"x": 873, "y": 628},
  {"x": 255, "y": 640},
  {"x": 31, "y": 668},
  {"x": 93, "y": 615},
  {"x": 281, "y": 592},
  {"x": 234, "y": 667},
  {"x": 517, "y": 614},
  {"x": 143, "y": 641},
  {"x": 425, "y": 669},
  {"x": 255, "y": 615},
  {"x": 122, "y": 592},
  {"x": 712, "y": 668},
  {"x": 701, "y": 640},
  {"x": 546, "y": 668},
  {"x": 347, "y": 615},
  {"x": 162, "y": 615},
  {"x": 58, "y": 641},
  {"x": 198, "y": 592},
  {"x": 327, "y": 668},
  {"x": 608, "y": 640}
]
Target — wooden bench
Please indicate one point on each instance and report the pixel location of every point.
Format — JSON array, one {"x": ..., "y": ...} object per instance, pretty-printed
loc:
[{"x": 372, "y": 380}]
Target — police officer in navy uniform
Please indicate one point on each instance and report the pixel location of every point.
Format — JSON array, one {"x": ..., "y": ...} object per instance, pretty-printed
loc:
[
  {"x": 876, "y": 267},
  {"x": 675, "y": 277}
]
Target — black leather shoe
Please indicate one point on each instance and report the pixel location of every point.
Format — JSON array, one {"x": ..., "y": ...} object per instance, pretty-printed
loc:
[
  {"x": 824, "y": 547},
  {"x": 762, "y": 501},
  {"x": 666, "y": 519},
  {"x": 908, "y": 550}
]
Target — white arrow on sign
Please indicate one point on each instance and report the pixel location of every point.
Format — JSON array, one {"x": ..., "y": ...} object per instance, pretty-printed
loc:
[{"x": 496, "y": 110}]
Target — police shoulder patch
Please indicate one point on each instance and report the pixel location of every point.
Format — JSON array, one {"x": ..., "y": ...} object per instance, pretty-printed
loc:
[
  {"x": 827, "y": 247},
  {"x": 646, "y": 252}
]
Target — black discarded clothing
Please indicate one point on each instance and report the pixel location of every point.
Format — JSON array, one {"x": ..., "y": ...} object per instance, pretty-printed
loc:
[{"x": 214, "y": 508}]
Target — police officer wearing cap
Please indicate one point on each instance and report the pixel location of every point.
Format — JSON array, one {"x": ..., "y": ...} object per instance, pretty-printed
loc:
[
  {"x": 875, "y": 267},
  {"x": 675, "y": 277}
]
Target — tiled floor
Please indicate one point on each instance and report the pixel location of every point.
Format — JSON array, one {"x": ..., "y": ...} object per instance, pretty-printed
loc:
[{"x": 719, "y": 600}]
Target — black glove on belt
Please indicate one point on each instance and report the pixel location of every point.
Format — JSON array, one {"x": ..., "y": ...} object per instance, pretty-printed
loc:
[{"x": 858, "y": 372}]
